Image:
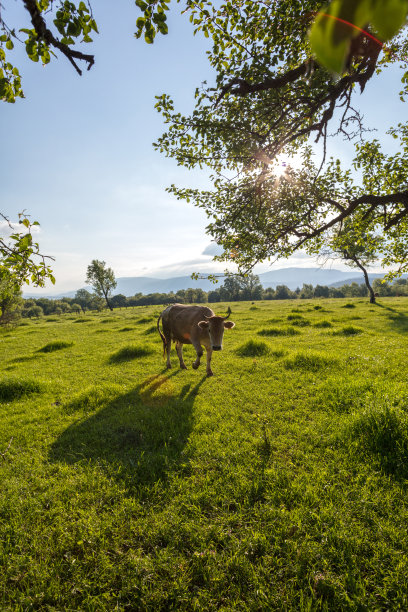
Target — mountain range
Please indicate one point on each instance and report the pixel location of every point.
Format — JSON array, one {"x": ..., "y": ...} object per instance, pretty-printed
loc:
[{"x": 291, "y": 277}]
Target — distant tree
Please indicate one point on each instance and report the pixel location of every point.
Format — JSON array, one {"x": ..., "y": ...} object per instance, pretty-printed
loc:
[
  {"x": 201, "y": 296},
  {"x": 214, "y": 296},
  {"x": 381, "y": 287},
  {"x": 282, "y": 292},
  {"x": 83, "y": 298},
  {"x": 97, "y": 303},
  {"x": 76, "y": 308},
  {"x": 356, "y": 247},
  {"x": 34, "y": 312},
  {"x": 321, "y": 291},
  {"x": 102, "y": 279},
  {"x": 269, "y": 293},
  {"x": 307, "y": 292},
  {"x": 118, "y": 300},
  {"x": 10, "y": 298},
  {"x": 336, "y": 292}
]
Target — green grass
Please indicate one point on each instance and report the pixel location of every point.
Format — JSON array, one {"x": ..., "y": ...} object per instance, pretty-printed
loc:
[
  {"x": 280, "y": 483},
  {"x": 279, "y": 331},
  {"x": 348, "y": 330}
]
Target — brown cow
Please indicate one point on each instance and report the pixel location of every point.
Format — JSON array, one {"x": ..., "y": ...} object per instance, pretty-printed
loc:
[{"x": 196, "y": 325}]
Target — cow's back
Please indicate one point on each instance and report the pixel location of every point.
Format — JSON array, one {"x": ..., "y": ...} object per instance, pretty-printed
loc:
[{"x": 181, "y": 320}]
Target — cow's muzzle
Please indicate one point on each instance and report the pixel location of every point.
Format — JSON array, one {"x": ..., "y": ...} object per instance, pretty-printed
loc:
[{"x": 217, "y": 348}]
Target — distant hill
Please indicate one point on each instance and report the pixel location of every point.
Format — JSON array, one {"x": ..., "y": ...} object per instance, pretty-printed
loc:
[{"x": 291, "y": 277}]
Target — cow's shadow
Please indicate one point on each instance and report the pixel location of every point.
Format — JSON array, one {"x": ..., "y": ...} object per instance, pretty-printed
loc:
[{"x": 138, "y": 437}]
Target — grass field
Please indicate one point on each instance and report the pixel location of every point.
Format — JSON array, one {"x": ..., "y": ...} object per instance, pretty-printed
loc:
[{"x": 278, "y": 484}]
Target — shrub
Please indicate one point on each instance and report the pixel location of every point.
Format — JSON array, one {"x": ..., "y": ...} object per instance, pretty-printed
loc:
[
  {"x": 127, "y": 353},
  {"x": 15, "y": 388},
  {"x": 309, "y": 361},
  {"x": 253, "y": 348},
  {"x": 56, "y": 345}
]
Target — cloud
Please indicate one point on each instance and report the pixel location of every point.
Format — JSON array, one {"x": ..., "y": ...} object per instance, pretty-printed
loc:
[
  {"x": 6, "y": 229},
  {"x": 213, "y": 249}
]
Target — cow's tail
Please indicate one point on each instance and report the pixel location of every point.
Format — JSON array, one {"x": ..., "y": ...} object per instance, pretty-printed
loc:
[{"x": 162, "y": 336}]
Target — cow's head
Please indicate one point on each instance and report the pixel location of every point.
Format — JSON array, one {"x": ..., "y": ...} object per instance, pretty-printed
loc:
[{"x": 215, "y": 326}]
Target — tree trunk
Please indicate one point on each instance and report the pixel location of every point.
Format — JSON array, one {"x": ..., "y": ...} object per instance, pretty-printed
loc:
[{"x": 366, "y": 280}]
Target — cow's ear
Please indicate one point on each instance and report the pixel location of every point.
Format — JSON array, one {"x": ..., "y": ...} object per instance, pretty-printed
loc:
[
  {"x": 229, "y": 324},
  {"x": 203, "y": 324}
]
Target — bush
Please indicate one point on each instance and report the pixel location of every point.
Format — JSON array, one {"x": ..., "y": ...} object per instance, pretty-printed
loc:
[
  {"x": 253, "y": 348},
  {"x": 15, "y": 388},
  {"x": 56, "y": 345}
]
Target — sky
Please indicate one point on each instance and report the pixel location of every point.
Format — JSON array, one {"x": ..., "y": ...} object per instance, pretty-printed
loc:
[{"x": 77, "y": 152}]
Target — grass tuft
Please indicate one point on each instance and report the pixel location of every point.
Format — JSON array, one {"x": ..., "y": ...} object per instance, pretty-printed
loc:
[
  {"x": 253, "y": 348},
  {"x": 309, "y": 361},
  {"x": 93, "y": 398},
  {"x": 342, "y": 395},
  {"x": 127, "y": 353},
  {"x": 146, "y": 319},
  {"x": 279, "y": 331},
  {"x": 56, "y": 345},
  {"x": 323, "y": 323},
  {"x": 348, "y": 330},
  {"x": 151, "y": 330},
  {"x": 16, "y": 388},
  {"x": 381, "y": 430},
  {"x": 126, "y": 329},
  {"x": 348, "y": 305},
  {"x": 83, "y": 320}
]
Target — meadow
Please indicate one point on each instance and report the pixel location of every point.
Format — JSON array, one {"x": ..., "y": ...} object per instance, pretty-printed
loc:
[{"x": 278, "y": 484}]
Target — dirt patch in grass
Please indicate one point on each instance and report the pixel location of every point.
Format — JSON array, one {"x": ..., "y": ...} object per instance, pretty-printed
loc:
[
  {"x": 253, "y": 348},
  {"x": 56, "y": 345},
  {"x": 15, "y": 388},
  {"x": 127, "y": 353}
]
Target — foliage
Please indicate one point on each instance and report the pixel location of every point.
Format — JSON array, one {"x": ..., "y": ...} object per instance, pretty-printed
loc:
[
  {"x": 10, "y": 298},
  {"x": 20, "y": 255},
  {"x": 337, "y": 26},
  {"x": 102, "y": 280}
]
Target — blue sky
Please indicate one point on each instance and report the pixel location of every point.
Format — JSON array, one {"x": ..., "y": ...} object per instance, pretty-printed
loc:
[{"x": 77, "y": 151}]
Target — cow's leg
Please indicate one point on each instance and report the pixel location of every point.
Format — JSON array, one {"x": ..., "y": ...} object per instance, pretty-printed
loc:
[
  {"x": 179, "y": 349},
  {"x": 168, "y": 349},
  {"x": 199, "y": 352},
  {"x": 209, "y": 355}
]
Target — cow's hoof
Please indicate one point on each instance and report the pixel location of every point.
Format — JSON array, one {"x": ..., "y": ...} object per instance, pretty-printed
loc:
[
  {"x": 168, "y": 367},
  {"x": 183, "y": 367},
  {"x": 210, "y": 373},
  {"x": 195, "y": 365}
]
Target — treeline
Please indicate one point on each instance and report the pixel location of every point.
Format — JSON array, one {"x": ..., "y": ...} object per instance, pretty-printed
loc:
[{"x": 233, "y": 290}]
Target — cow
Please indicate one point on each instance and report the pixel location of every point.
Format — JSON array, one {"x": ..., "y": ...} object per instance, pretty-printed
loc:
[{"x": 196, "y": 325}]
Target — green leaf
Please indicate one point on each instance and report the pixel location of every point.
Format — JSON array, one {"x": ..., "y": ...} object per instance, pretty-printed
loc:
[{"x": 388, "y": 17}]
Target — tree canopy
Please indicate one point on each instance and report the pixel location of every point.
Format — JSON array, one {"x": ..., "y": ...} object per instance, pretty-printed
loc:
[{"x": 102, "y": 280}]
